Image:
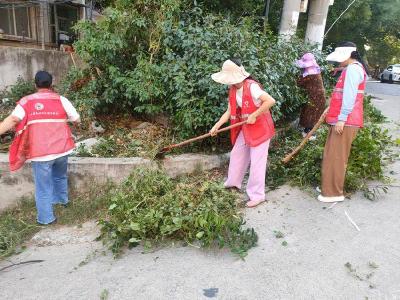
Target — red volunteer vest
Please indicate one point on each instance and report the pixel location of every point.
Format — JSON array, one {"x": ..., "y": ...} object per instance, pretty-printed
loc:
[
  {"x": 355, "y": 118},
  {"x": 254, "y": 134},
  {"x": 43, "y": 131}
]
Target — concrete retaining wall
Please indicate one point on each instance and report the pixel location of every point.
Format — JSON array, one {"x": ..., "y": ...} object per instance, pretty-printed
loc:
[
  {"x": 85, "y": 171},
  {"x": 26, "y": 62}
]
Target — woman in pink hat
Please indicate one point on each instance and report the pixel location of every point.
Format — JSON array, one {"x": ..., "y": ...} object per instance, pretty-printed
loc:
[
  {"x": 247, "y": 101},
  {"x": 311, "y": 81}
]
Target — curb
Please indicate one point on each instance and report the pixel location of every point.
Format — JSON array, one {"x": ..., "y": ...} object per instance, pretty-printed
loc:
[{"x": 83, "y": 171}]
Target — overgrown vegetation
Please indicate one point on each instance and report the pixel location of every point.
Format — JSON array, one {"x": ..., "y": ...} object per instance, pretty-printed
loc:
[
  {"x": 151, "y": 208},
  {"x": 166, "y": 67},
  {"x": 148, "y": 208},
  {"x": 124, "y": 142},
  {"x": 10, "y": 95},
  {"x": 370, "y": 150}
]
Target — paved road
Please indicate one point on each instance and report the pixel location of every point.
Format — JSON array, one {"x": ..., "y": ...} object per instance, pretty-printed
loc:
[
  {"x": 312, "y": 265},
  {"x": 375, "y": 87}
]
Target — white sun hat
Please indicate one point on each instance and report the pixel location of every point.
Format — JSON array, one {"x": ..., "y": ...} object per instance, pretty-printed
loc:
[
  {"x": 230, "y": 73},
  {"x": 341, "y": 54}
]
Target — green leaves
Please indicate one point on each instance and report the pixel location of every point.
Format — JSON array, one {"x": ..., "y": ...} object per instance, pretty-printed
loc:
[
  {"x": 20, "y": 89},
  {"x": 153, "y": 208},
  {"x": 370, "y": 150},
  {"x": 159, "y": 59}
]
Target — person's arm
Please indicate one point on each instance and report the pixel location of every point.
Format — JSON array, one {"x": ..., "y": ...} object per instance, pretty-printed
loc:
[
  {"x": 9, "y": 123},
  {"x": 354, "y": 76},
  {"x": 266, "y": 103},
  {"x": 224, "y": 118},
  {"x": 73, "y": 115}
]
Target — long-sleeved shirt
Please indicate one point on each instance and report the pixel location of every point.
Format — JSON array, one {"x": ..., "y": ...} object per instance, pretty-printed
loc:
[{"x": 354, "y": 77}]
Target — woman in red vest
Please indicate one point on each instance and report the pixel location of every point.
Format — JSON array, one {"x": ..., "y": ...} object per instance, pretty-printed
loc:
[
  {"x": 44, "y": 138},
  {"x": 345, "y": 117},
  {"x": 247, "y": 101}
]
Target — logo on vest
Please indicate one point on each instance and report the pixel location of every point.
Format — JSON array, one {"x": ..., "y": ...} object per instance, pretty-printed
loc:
[
  {"x": 39, "y": 106},
  {"x": 246, "y": 104}
]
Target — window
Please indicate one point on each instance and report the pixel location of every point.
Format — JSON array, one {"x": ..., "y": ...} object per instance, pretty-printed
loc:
[
  {"x": 6, "y": 19},
  {"x": 67, "y": 17},
  {"x": 396, "y": 69},
  {"x": 14, "y": 20}
]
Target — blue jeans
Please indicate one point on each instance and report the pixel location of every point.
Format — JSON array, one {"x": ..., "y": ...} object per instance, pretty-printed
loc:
[{"x": 51, "y": 187}]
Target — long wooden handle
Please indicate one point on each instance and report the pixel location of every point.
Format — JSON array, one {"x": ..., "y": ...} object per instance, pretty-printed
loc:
[
  {"x": 203, "y": 136},
  {"x": 307, "y": 137}
]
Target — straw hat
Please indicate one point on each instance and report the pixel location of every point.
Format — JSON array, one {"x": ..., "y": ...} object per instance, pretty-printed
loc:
[{"x": 230, "y": 73}]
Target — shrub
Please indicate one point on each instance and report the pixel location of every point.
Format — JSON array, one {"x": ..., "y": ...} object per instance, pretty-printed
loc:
[
  {"x": 11, "y": 95},
  {"x": 370, "y": 150},
  {"x": 151, "y": 208},
  {"x": 167, "y": 68},
  {"x": 371, "y": 113}
]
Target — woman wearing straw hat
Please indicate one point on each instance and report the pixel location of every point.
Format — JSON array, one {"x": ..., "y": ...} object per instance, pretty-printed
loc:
[
  {"x": 247, "y": 101},
  {"x": 311, "y": 81},
  {"x": 345, "y": 117}
]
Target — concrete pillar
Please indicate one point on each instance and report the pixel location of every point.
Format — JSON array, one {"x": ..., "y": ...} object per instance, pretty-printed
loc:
[
  {"x": 318, "y": 12},
  {"x": 289, "y": 18},
  {"x": 44, "y": 24}
]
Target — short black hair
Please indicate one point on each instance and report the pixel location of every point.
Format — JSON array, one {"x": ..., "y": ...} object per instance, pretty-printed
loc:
[
  {"x": 347, "y": 44},
  {"x": 43, "y": 79}
]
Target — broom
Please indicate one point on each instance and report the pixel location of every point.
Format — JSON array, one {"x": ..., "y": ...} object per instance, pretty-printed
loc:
[
  {"x": 306, "y": 138},
  {"x": 170, "y": 147}
]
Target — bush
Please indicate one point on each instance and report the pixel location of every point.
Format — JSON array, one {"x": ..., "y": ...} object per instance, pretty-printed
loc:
[
  {"x": 371, "y": 113},
  {"x": 167, "y": 68},
  {"x": 11, "y": 95},
  {"x": 370, "y": 150},
  {"x": 151, "y": 208}
]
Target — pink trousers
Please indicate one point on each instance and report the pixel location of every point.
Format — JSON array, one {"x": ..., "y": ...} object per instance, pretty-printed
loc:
[{"x": 241, "y": 157}]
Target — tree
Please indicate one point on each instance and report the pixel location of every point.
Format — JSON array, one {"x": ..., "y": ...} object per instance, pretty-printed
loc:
[{"x": 372, "y": 25}]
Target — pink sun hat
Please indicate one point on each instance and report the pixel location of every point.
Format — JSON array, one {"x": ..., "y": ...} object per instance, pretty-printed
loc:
[{"x": 308, "y": 64}]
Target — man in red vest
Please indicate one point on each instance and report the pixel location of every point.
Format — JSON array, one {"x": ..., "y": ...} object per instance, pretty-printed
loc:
[
  {"x": 44, "y": 138},
  {"x": 345, "y": 117}
]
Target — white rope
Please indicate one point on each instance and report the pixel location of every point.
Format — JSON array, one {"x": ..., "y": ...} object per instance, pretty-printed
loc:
[{"x": 339, "y": 17}]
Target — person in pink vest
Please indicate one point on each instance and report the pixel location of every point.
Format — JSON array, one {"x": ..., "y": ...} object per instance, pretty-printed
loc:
[
  {"x": 345, "y": 118},
  {"x": 247, "y": 101},
  {"x": 44, "y": 138}
]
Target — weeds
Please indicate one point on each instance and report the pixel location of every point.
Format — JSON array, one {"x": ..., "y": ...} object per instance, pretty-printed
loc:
[
  {"x": 18, "y": 224},
  {"x": 370, "y": 151},
  {"x": 104, "y": 294},
  {"x": 151, "y": 208},
  {"x": 371, "y": 113},
  {"x": 278, "y": 234}
]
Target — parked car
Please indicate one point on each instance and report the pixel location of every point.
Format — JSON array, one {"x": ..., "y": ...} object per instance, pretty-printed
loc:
[{"x": 391, "y": 74}]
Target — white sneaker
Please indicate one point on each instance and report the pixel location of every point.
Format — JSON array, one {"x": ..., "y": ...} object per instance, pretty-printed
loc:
[
  {"x": 330, "y": 199},
  {"x": 312, "y": 138}
]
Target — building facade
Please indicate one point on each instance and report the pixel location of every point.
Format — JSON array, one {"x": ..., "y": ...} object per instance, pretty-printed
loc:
[{"x": 44, "y": 24}]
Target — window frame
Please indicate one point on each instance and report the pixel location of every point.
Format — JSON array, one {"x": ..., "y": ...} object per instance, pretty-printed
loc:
[{"x": 12, "y": 23}]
